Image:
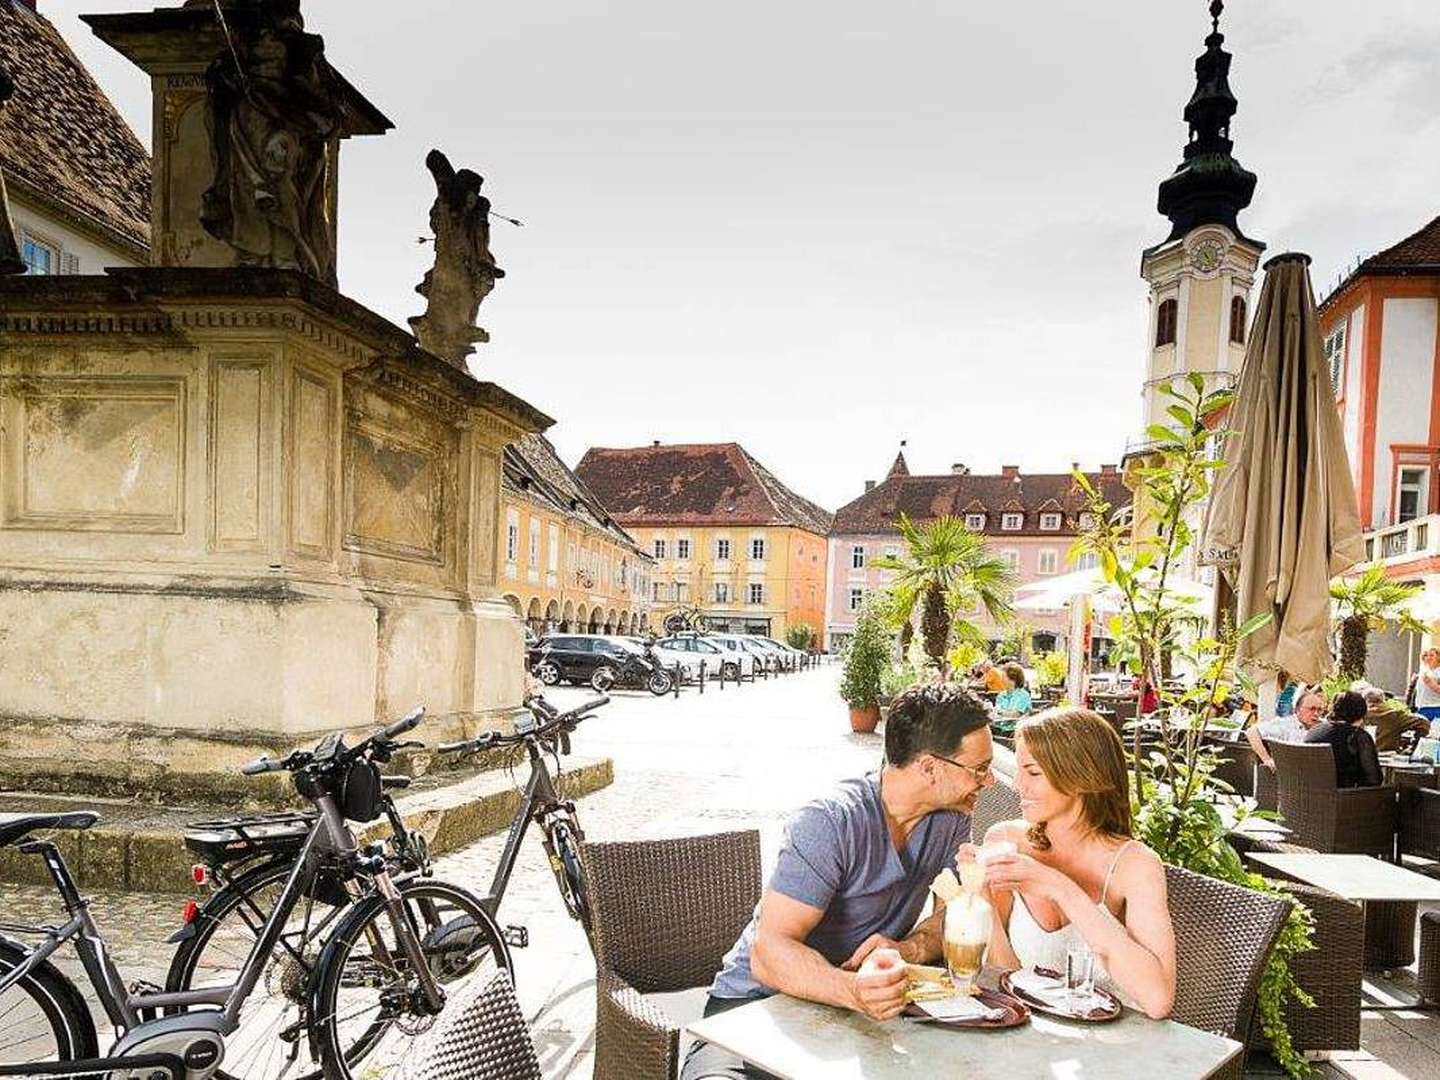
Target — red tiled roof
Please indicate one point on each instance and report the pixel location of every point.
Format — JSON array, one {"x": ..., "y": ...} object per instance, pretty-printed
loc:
[
  {"x": 62, "y": 143},
  {"x": 532, "y": 466},
  {"x": 923, "y": 498},
  {"x": 1418, "y": 253},
  {"x": 701, "y": 484}
]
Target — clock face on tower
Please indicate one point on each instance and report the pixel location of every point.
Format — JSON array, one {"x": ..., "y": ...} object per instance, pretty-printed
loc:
[{"x": 1207, "y": 255}]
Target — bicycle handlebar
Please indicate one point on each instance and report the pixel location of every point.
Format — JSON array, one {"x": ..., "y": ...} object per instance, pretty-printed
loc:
[
  {"x": 299, "y": 758},
  {"x": 266, "y": 764},
  {"x": 487, "y": 739},
  {"x": 406, "y": 723}
]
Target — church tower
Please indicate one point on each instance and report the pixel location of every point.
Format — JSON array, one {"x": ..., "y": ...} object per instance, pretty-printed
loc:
[{"x": 1200, "y": 276}]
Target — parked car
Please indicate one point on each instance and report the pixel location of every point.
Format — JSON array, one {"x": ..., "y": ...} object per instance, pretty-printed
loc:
[
  {"x": 690, "y": 650},
  {"x": 764, "y": 650},
  {"x": 603, "y": 662},
  {"x": 735, "y": 648}
]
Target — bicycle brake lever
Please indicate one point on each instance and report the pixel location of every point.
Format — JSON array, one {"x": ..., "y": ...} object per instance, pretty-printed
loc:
[{"x": 564, "y": 742}]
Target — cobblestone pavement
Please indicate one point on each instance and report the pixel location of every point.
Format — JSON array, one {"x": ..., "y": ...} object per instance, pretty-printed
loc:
[{"x": 744, "y": 757}]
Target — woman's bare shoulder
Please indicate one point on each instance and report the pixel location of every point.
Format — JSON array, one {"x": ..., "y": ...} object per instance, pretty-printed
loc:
[{"x": 1139, "y": 865}]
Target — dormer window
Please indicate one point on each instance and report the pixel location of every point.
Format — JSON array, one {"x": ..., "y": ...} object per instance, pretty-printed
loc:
[
  {"x": 1049, "y": 522},
  {"x": 1165, "y": 319},
  {"x": 1087, "y": 520},
  {"x": 1012, "y": 522},
  {"x": 975, "y": 522}
]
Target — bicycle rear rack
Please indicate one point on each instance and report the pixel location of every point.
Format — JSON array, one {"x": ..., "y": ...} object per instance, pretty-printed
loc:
[{"x": 164, "y": 1066}]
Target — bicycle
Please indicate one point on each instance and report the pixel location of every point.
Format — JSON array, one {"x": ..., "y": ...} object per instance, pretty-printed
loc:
[
  {"x": 559, "y": 825},
  {"x": 386, "y": 963},
  {"x": 691, "y": 617}
]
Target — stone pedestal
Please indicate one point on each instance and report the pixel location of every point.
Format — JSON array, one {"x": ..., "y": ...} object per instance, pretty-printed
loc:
[{"x": 237, "y": 510}]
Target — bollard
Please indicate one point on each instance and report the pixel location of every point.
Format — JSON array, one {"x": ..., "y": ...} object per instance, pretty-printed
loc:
[
  {"x": 702, "y": 676},
  {"x": 722, "y": 675},
  {"x": 677, "y": 679}
]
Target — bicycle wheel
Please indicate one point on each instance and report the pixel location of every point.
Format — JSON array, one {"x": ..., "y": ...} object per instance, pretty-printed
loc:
[
  {"x": 565, "y": 835},
  {"x": 42, "y": 1017},
  {"x": 274, "y": 1020},
  {"x": 367, "y": 1003},
  {"x": 675, "y": 623}
]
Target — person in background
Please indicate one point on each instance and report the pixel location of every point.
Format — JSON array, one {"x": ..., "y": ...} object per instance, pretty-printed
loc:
[
  {"x": 1309, "y": 711},
  {"x": 1356, "y": 763},
  {"x": 1015, "y": 698},
  {"x": 1427, "y": 685},
  {"x": 1389, "y": 717},
  {"x": 1149, "y": 699},
  {"x": 1285, "y": 703}
]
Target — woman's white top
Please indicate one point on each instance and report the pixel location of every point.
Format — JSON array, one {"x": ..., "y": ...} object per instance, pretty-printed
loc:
[{"x": 1035, "y": 946}]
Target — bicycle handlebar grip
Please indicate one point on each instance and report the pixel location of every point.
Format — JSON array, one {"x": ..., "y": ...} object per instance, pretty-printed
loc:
[
  {"x": 595, "y": 703},
  {"x": 261, "y": 765},
  {"x": 406, "y": 723}
]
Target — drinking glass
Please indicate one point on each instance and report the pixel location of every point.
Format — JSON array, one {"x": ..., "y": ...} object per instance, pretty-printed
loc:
[
  {"x": 1080, "y": 977},
  {"x": 967, "y": 935}
]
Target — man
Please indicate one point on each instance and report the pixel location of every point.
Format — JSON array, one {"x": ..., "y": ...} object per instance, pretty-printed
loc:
[
  {"x": 854, "y": 872},
  {"x": 1356, "y": 763},
  {"x": 1390, "y": 719},
  {"x": 1427, "y": 685},
  {"x": 1293, "y": 728}
]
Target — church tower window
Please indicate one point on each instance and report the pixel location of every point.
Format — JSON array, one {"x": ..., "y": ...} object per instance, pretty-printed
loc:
[
  {"x": 1165, "y": 320},
  {"x": 1237, "y": 320}
]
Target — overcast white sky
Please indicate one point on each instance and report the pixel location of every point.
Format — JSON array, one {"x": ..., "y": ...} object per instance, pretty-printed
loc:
[{"x": 818, "y": 228}]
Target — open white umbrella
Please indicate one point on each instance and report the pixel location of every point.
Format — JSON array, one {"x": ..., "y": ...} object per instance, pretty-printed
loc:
[{"x": 1055, "y": 593}]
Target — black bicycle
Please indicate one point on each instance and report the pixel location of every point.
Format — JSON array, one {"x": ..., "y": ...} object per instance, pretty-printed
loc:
[{"x": 543, "y": 730}]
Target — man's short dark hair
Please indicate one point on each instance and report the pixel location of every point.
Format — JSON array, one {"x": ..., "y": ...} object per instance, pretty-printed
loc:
[
  {"x": 932, "y": 718},
  {"x": 1348, "y": 708}
]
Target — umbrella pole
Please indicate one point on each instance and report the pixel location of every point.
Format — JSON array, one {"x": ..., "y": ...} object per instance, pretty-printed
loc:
[{"x": 1268, "y": 697}]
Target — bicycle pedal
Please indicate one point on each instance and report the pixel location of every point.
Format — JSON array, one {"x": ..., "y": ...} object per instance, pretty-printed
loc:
[{"x": 516, "y": 936}]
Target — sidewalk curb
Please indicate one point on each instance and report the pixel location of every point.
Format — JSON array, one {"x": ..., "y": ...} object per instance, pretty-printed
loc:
[{"x": 141, "y": 860}]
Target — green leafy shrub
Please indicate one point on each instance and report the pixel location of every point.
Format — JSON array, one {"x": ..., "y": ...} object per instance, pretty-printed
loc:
[
  {"x": 866, "y": 659},
  {"x": 1051, "y": 668}
]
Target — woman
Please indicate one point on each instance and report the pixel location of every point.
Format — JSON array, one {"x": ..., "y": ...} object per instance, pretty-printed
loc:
[
  {"x": 1015, "y": 699},
  {"x": 1356, "y": 762},
  {"x": 1077, "y": 878}
]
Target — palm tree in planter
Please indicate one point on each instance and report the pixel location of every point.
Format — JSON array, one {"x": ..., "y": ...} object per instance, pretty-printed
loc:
[
  {"x": 866, "y": 659},
  {"x": 1367, "y": 603},
  {"x": 944, "y": 570}
]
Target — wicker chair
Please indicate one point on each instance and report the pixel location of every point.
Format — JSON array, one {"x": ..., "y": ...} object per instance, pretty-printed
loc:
[
  {"x": 1237, "y": 765},
  {"x": 1429, "y": 982},
  {"x": 1267, "y": 792},
  {"x": 1223, "y": 934},
  {"x": 1360, "y": 821},
  {"x": 665, "y": 913},
  {"x": 1420, "y": 821},
  {"x": 481, "y": 1035}
]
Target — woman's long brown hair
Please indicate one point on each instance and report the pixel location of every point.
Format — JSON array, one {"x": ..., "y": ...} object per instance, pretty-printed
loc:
[{"x": 1082, "y": 756}]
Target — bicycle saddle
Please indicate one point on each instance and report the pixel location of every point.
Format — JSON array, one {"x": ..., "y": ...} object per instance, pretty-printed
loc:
[{"x": 15, "y": 827}]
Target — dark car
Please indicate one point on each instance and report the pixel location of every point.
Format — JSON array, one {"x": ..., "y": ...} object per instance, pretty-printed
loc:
[{"x": 603, "y": 662}]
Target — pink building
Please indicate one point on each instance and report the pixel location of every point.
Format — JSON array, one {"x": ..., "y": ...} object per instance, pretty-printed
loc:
[{"x": 1030, "y": 519}]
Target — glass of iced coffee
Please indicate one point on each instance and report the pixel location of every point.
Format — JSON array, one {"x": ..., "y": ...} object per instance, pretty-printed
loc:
[{"x": 967, "y": 934}]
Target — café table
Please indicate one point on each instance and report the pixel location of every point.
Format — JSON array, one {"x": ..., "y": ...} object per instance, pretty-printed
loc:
[
  {"x": 797, "y": 1040},
  {"x": 1402, "y": 772}
]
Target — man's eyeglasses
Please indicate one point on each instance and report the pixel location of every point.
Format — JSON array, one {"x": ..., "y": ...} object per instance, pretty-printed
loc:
[{"x": 981, "y": 773}]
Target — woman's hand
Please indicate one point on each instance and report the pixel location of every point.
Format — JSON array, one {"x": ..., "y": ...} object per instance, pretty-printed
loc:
[{"x": 1018, "y": 871}]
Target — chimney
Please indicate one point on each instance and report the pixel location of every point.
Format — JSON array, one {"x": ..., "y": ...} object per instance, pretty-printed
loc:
[
  {"x": 869, "y": 485},
  {"x": 1010, "y": 472},
  {"x": 656, "y": 443},
  {"x": 958, "y": 469},
  {"x": 1107, "y": 470}
]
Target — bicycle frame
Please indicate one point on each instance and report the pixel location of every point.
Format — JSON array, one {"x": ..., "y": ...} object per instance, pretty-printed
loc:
[
  {"x": 539, "y": 799},
  {"x": 123, "y": 1008}
]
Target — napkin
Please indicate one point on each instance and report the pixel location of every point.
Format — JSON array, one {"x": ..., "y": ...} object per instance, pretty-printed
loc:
[
  {"x": 1044, "y": 988},
  {"x": 959, "y": 1007}
]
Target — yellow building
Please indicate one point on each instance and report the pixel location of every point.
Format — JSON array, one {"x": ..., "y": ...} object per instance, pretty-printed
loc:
[
  {"x": 726, "y": 536},
  {"x": 564, "y": 562}
]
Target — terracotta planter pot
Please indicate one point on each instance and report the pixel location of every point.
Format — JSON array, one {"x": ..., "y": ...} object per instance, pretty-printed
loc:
[{"x": 865, "y": 720}]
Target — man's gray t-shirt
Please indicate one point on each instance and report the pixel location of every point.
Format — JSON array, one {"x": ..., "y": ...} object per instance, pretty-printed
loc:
[{"x": 838, "y": 857}]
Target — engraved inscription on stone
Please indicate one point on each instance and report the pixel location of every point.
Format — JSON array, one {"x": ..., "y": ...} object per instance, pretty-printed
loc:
[{"x": 99, "y": 455}]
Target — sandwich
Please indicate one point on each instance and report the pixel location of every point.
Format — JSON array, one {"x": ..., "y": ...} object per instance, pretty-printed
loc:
[{"x": 924, "y": 983}]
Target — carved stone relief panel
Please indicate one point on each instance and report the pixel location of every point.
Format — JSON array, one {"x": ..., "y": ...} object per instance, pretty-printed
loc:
[
  {"x": 485, "y": 516},
  {"x": 240, "y": 439},
  {"x": 310, "y": 468},
  {"x": 396, "y": 501},
  {"x": 95, "y": 453}
]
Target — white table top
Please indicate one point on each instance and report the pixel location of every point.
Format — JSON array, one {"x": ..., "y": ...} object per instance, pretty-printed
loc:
[
  {"x": 798, "y": 1040},
  {"x": 1355, "y": 877}
]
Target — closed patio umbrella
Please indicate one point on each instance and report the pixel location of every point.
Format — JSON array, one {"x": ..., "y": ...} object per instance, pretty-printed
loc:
[{"x": 1284, "y": 503}]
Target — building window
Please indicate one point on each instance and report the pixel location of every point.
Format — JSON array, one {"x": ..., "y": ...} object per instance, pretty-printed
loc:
[
  {"x": 1048, "y": 561},
  {"x": 682, "y": 548},
  {"x": 722, "y": 549},
  {"x": 857, "y": 557},
  {"x": 1087, "y": 561},
  {"x": 655, "y": 587},
  {"x": 722, "y": 592},
  {"x": 659, "y": 548},
  {"x": 682, "y": 591},
  {"x": 1049, "y": 522},
  {"x": 1087, "y": 520},
  {"x": 1412, "y": 495},
  {"x": 1237, "y": 320},
  {"x": 38, "y": 256},
  {"x": 1011, "y": 522},
  {"x": 512, "y": 535},
  {"x": 534, "y": 543},
  {"x": 757, "y": 592},
  {"x": 1012, "y": 559},
  {"x": 975, "y": 522},
  {"x": 1334, "y": 349},
  {"x": 554, "y": 553},
  {"x": 757, "y": 548},
  {"x": 857, "y": 597},
  {"x": 1165, "y": 319},
  {"x": 891, "y": 551}
]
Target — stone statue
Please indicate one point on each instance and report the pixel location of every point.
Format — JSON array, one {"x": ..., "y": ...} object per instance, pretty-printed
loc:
[
  {"x": 11, "y": 261},
  {"x": 274, "y": 100},
  {"x": 464, "y": 270}
]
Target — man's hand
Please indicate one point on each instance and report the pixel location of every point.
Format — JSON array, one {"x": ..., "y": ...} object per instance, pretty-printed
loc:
[
  {"x": 1269, "y": 763},
  {"x": 879, "y": 986},
  {"x": 869, "y": 945}
]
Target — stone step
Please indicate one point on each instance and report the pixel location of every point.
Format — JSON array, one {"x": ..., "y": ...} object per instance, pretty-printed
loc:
[{"x": 138, "y": 848}]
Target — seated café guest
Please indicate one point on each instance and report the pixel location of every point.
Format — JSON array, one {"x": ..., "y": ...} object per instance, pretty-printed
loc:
[
  {"x": 1078, "y": 878},
  {"x": 1390, "y": 719},
  {"x": 1427, "y": 685},
  {"x": 993, "y": 678},
  {"x": 1285, "y": 703},
  {"x": 1355, "y": 762},
  {"x": 854, "y": 873},
  {"x": 1015, "y": 698},
  {"x": 1309, "y": 711}
]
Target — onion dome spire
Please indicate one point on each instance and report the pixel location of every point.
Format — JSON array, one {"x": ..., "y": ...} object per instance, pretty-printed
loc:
[{"x": 1209, "y": 187}]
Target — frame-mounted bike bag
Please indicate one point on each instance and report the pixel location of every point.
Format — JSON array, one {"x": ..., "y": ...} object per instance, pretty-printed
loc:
[{"x": 359, "y": 794}]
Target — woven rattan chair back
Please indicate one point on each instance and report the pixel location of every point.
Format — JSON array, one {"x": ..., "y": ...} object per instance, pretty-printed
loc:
[
  {"x": 1237, "y": 765},
  {"x": 1306, "y": 792},
  {"x": 996, "y": 803},
  {"x": 481, "y": 1035},
  {"x": 1223, "y": 934},
  {"x": 667, "y": 911}
]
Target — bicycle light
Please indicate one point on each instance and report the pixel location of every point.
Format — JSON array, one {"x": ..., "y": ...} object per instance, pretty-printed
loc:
[
  {"x": 200, "y": 874},
  {"x": 190, "y": 912}
]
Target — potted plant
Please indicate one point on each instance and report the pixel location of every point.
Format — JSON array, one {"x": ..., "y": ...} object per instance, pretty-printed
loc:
[{"x": 865, "y": 663}]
